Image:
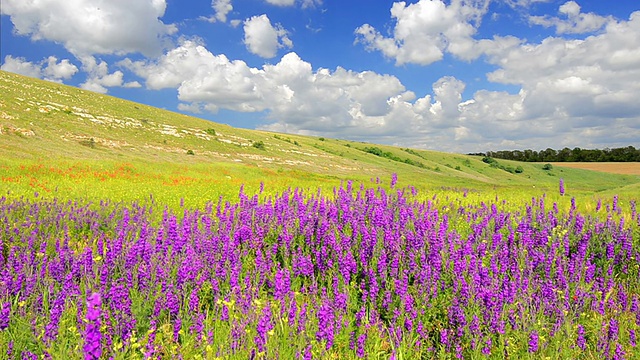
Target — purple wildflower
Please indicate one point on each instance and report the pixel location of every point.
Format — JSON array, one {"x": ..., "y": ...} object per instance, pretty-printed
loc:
[
  {"x": 486, "y": 349},
  {"x": 307, "y": 353},
  {"x": 264, "y": 326},
  {"x": 561, "y": 187},
  {"x": 533, "y": 341},
  {"x": 361, "y": 342},
  {"x": 10, "y": 350},
  {"x": 92, "y": 338},
  {"x": 177, "y": 326},
  {"x": 444, "y": 338},
  {"x": 613, "y": 330},
  {"x": 28, "y": 355},
  {"x": 4, "y": 315},
  {"x": 581, "y": 342},
  {"x": 619, "y": 353},
  {"x": 326, "y": 319}
]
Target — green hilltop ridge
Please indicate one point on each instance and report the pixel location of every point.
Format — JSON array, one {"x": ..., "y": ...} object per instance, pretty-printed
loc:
[{"x": 48, "y": 126}]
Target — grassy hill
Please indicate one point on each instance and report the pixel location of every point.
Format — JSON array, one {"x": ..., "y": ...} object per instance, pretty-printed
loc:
[{"x": 57, "y": 138}]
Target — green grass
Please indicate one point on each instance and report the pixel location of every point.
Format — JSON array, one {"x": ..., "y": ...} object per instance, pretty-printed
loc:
[{"x": 62, "y": 141}]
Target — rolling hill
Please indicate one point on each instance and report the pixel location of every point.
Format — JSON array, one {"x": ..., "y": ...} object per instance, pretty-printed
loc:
[{"x": 46, "y": 126}]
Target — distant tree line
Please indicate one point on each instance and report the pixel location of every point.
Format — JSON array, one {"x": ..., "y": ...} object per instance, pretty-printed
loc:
[{"x": 625, "y": 154}]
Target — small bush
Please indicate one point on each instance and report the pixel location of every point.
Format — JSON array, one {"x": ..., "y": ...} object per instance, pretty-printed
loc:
[
  {"x": 258, "y": 145},
  {"x": 458, "y": 168},
  {"x": 489, "y": 160},
  {"x": 91, "y": 143},
  {"x": 211, "y": 132},
  {"x": 519, "y": 169},
  {"x": 374, "y": 150},
  {"x": 547, "y": 167},
  {"x": 321, "y": 139},
  {"x": 190, "y": 152}
]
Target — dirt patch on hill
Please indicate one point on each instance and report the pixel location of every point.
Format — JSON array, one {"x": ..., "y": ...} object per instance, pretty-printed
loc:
[{"x": 626, "y": 168}]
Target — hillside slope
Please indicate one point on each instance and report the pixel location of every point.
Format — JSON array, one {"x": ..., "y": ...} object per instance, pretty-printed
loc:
[{"x": 48, "y": 123}]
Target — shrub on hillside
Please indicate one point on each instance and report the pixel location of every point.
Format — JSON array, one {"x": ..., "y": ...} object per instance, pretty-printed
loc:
[{"x": 258, "y": 145}]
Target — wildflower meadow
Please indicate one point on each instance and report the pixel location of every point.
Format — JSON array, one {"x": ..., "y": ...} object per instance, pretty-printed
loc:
[{"x": 362, "y": 272}]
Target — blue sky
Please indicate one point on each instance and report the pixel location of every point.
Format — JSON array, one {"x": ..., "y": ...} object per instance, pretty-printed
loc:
[{"x": 457, "y": 76}]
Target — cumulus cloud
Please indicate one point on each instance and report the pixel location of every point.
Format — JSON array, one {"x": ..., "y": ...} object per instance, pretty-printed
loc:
[
  {"x": 594, "y": 76},
  {"x": 264, "y": 39},
  {"x": 49, "y": 69},
  {"x": 289, "y": 89},
  {"x": 281, "y": 2},
  {"x": 524, "y": 3},
  {"x": 425, "y": 30},
  {"x": 311, "y": 3},
  {"x": 573, "y": 92},
  {"x": 98, "y": 76},
  {"x": 20, "y": 65},
  {"x": 124, "y": 26},
  {"x": 221, "y": 9},
  {"x": 59, "y": 70},
  {"x": 303, "y": 3},
  {"x": 298, "y": 98},
  {"x": 576, "y": 22}
]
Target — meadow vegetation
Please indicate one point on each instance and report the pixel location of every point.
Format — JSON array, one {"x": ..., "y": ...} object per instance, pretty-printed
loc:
[{"x": 129, "y": 232}]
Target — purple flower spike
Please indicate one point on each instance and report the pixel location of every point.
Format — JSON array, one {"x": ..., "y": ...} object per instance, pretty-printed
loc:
[
  {"x": 92, "y": 339},
  {"x": 581, "y": 342},
  {"x": 533, "y": 341},
  {"x": 264, "y": 326},
  {"x": 4, "y": 315},
  {"x": 361, "y": 344},
  {"x": 561, "y": 187}
]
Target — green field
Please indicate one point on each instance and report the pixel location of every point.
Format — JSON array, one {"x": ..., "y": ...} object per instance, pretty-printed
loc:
[
  {"x": 130, "y": 232},
  {"x": 62, "y": 141}
]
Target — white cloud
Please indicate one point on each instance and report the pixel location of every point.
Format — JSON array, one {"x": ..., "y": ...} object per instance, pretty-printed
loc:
[
  {"x": 201, "y": 76},
  {"x": 49, "y": 69},
  {"x": 98, "y": 76},
  {"x": 571, "y": 95},
  {"x": 289, "y": 89},
  {"x": 263, "y": 39},
  {"x": 426, "y": 29},
  {"x": 311, "y": 3},
  {"x": 87, "y": 27},
  {"x": 576, "y": 21},
  {"x": 132, "y": 85},
  {"x": 281, "y": 2},
  {"x": 59, "y": 70},
  {"x": 572, "y": 91},
  {"x": 192, "y": 108},
  {"x": 524, "y": 3},
  {"x": 221, "y": 8},
  {"x": 21, "y": 66},
  {"x": 597, "y": 75},
  {"x": 304, "y": 3}
]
